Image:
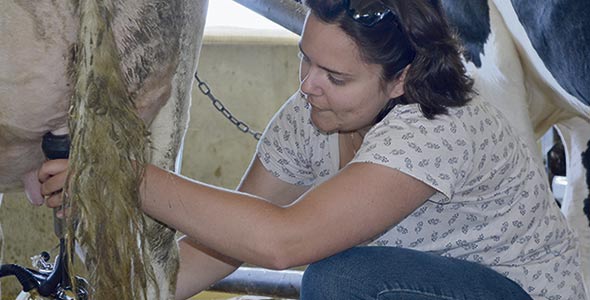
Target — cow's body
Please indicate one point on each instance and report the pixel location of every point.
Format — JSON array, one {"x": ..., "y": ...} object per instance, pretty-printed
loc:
[
  {"x": 528, "y": 58},
  {"x": 157, "y": 43}
]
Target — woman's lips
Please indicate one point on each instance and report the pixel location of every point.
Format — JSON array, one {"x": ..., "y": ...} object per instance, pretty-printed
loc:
[{"x": 315, "y": 107}]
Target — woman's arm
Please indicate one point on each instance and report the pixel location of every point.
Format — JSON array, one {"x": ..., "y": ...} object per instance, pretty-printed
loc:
[
  {"x": 201, "y": 266},
  {"x": 360, "y": 202},
  {"x": 260, "y": 182}
]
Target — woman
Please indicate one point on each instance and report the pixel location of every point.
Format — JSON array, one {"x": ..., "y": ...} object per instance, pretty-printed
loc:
[{"x": 381, "y": 173}]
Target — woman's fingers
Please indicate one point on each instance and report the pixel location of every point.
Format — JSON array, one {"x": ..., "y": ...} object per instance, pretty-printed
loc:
[
  {"x": 53, "y": 184},
  {"x": 52, "y": 175},
  {"x": 51, "y": 168},
  {"x": 54, "y": 201}
]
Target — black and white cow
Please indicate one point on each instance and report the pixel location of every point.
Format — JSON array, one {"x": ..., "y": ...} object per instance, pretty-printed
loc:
[{"x": 529, "y": 58}]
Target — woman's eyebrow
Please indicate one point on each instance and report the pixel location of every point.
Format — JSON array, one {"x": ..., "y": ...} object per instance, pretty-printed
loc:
[{"x": 326, "y": 68}]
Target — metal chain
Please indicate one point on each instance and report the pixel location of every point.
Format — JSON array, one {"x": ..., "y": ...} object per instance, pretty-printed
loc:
[{"x": 243, "y": 127}]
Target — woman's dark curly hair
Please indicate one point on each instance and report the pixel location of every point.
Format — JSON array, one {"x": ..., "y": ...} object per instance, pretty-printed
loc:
[{"x": 416, "y": 33}]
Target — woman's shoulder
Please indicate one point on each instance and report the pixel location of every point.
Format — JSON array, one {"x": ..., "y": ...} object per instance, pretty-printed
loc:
[
  {"x": 437, "y": 151},
  {"x": 457, "y": 121},
  {"x": 408, "y": 120}
]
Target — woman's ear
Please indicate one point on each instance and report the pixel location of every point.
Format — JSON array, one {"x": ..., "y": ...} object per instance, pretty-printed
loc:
[{"x": 396, "y": 86}]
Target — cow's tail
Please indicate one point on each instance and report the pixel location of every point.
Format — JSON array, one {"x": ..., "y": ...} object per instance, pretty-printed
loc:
[
  {"x": 107, "y": 160},
  {"x": 586, "y": 164}
]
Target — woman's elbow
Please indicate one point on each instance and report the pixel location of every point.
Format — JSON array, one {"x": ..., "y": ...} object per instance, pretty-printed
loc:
[
  {"x": 278, "y": 263},
  {"x": 279, "y": 255}
]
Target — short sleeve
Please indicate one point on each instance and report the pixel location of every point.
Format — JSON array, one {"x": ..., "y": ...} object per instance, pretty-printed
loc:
[{"x": 432, "y": 151}]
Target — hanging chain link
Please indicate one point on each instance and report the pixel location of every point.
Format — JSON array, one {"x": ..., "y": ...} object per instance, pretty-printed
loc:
[{"x": 243, "y": 127}]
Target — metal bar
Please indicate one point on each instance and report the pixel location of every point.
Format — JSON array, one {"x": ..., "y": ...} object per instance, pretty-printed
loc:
[
  {"x": 287, "y": 13},
  {"x": 261, "y": 282},
  {"x": 255, "y": 281}
]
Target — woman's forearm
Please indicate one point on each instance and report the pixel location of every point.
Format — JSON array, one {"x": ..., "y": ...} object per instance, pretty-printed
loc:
[
  {"x": 235, "y": 224},
  {"x": 200, "y": 267}
]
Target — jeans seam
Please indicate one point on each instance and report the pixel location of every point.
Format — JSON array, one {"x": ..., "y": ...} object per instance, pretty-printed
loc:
[{"x": 414, "y": 292}]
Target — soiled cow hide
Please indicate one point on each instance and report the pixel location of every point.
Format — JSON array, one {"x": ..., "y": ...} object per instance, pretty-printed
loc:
[{"x": 49, "y": 50}]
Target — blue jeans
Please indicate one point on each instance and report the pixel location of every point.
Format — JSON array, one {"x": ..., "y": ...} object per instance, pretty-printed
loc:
[{"x": 383, "y": 273}]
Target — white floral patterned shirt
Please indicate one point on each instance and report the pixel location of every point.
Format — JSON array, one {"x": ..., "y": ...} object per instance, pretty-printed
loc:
[{"x": 493, "y": 205}]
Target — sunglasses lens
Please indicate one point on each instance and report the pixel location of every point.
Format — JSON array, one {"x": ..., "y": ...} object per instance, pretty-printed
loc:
[{"x": 366, "y": 12}]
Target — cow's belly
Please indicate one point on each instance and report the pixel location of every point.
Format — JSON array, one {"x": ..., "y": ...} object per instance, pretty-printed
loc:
[
  {"x": 37, "y": 66},
  {"x": 35, "y": 55},
  {"x": 156, "y": 43}
]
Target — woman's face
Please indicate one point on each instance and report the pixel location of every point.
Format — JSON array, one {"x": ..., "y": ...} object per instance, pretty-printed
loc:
[{"x": 345, "y": 93}]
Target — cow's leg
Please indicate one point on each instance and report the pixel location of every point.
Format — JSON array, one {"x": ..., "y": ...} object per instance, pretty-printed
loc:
[
  {"x": 167, "y": 133},
  {"x": 575, "y": 133}
]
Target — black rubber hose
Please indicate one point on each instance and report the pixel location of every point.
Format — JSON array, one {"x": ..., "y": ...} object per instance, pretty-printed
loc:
[{"x": 26, "y": 278}]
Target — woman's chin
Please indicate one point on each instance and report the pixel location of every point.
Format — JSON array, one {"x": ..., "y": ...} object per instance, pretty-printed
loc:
[{"x": 323, "y": 127}]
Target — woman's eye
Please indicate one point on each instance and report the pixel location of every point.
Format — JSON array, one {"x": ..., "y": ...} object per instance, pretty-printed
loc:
[{"x": 335, "y": 80}]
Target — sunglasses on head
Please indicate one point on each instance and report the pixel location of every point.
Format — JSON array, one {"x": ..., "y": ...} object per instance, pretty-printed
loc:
[{"x": 367, "y": 12}]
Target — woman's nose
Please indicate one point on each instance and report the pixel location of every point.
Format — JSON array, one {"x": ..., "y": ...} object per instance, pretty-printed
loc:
[{"x": 308, "y": 84}]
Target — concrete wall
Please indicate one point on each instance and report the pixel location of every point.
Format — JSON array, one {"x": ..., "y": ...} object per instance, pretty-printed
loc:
[{"x": 252, "y": 74}]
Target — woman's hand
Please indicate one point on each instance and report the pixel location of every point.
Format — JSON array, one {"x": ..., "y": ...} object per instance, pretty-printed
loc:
[{"x": 52, "y": 176}]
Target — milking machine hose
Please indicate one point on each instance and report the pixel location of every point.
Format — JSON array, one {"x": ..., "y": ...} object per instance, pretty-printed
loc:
[
  {"x": 46, "y": 284},
  {"x": 29, "y": 279}
]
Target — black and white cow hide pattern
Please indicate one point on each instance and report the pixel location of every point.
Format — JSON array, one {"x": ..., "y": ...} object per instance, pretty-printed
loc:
[{"x": 529, "y": 59}]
